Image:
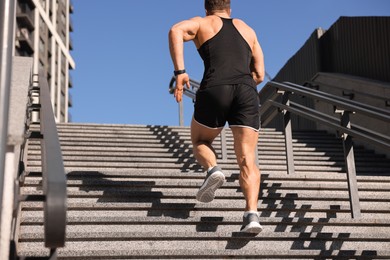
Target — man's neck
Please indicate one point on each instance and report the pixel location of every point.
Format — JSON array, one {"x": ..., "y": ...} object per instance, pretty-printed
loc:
[{"x": 223, "y": 14}]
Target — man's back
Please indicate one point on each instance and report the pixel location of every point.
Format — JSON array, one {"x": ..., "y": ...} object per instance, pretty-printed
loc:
[
  {"x": 210, "y": 25},
  {"x": 226, "y": 55},
  {"x": 199, "y": 30}
]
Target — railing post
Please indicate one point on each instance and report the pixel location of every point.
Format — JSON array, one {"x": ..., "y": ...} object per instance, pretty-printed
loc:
[
  {"x": 288, "y": 133},
  {"x": 7, "y": 10},
  {"x": 181, "y": 113},
  {"x": 257, "y": 153},
  {"x": 223, "y": 144},
  {"x": 350, "y": 165}
]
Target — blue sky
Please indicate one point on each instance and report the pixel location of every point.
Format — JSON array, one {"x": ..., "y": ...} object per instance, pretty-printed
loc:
[{"x": 123, "y": 66}]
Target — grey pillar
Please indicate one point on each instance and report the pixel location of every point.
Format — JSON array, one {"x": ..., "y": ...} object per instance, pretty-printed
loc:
[
  {"x": 288, "y": 135},
  {"x": 223, "y": 145},
  {"x": 7, "y": 18},
  {"x": 350, "y": 167},
  {"x": 181, "y": 113}
]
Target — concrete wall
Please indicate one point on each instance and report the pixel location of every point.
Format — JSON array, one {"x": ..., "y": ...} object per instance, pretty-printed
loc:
[
  {"x": 302, "y": 66},
  {"x": 353, "y": 46},
  {"x": 363, "y": 90},
  {"x": 20, "y": 82}
]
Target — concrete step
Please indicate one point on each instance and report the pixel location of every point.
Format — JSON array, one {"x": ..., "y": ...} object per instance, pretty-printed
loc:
[
  {"x": 232, "y": 182},
  {"x": 161, "y": 159},
  {"x": 231, "y": 175},
  {"x": 158, "y": 201},
  {"x": 112, "y": 213},
  {"x": 126, "y": 233},
  {"x": 264, "y": 143},
  {"x": 299, "y": 154},
  {"x": 34, "y": 146},
  {"x": 191, "y": 165},
  {"x": 268, "y": 202},
  {"x": 145, "y": 152},
  {"x": 35, "y": 160},
  {"x": 263, "y": 138},
  {"x": 220, "y": 218},
  {"x": 223, "y": 247}
]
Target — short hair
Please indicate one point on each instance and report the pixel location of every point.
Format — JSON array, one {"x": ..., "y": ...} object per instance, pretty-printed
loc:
[{"x": 212, "y": 5}]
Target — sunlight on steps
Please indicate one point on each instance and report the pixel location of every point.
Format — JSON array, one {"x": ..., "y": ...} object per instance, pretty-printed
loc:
[{"x": 131, "y": 194}]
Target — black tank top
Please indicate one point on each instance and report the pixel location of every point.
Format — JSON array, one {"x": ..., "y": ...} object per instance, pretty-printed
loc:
[{"x": 227, "y": 57}]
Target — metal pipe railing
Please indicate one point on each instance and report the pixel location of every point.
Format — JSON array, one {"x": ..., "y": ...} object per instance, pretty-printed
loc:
[
  {"x": 340, "y": 102},
  {"x": 344, "y": 107},
  {"x": 53, "y": 171},
  {"x": 191, "y": 92},
  {"x": 7, "y": 20},
  {"x": 318, "y": 85}
]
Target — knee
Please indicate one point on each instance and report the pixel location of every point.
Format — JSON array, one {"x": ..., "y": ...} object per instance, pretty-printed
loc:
[
  {"x": 249, "y": 172},
  {"x": 198, "y": 143},
  {"x": 246, "y": 162}
]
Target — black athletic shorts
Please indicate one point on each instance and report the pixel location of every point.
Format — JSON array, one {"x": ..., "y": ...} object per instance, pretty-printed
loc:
[{"x": 236, "y": 104}]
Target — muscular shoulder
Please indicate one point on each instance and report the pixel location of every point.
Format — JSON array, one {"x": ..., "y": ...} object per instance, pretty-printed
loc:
[
  {"x": 196, "y": 19},
  {"x": 246, "y": 31},
  {"x": 241, "y": 25},
  {"x": 195, "y": 23},
  {"x": 187, "y": 28}
]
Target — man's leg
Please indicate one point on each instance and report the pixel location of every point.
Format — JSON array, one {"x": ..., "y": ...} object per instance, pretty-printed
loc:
[
  {"x": 245, "y": 141},
  {"x": 202, "y": 138}
]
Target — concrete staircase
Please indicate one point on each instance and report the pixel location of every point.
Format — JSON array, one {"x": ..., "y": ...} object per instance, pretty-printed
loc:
[{"x": 131, "y": 194}]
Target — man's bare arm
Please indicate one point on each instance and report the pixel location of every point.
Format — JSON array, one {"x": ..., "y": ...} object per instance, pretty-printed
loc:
[
  {"x": 257, "y": 64},
  {"x": 180, "y": 33}
]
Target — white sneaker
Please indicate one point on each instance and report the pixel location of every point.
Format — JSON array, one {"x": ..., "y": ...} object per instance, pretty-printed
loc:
[
  {"x": 251, "y": 223},
  {"x": 214, "y": 179}
]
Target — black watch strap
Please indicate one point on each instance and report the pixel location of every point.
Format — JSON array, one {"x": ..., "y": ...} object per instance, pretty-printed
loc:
[{"x": 178, "y": 72}]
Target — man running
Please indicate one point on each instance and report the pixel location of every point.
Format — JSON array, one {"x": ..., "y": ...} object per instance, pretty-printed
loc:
[{"x": 234, "y": 66}]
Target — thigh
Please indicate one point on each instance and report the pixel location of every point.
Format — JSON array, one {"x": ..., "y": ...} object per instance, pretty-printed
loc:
[
  {"x": 201, "y": 133},
  {"x": 245, "y": 143}
]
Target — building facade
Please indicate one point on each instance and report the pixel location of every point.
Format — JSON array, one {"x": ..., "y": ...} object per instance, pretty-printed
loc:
[{"x": 42, "y": 31}]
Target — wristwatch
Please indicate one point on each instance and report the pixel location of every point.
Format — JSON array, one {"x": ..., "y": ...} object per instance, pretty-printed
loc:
[{"x": 178, "y": 72}]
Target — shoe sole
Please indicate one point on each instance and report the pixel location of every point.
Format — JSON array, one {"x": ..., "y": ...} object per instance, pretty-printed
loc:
[
  {"x": 253, "y": 228},
  {"x": 206, "y": 193}
]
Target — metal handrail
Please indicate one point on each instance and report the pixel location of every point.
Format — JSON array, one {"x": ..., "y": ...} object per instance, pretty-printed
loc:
[
  {"x": 53, "y": 172},
  {"x": 191, "y": 92},
  {"x": 313, "y": 84},
  {"x": 362, "y": 133},
  {"x": 339, "y": 102},
  {"x": 343, "y": 125}
]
